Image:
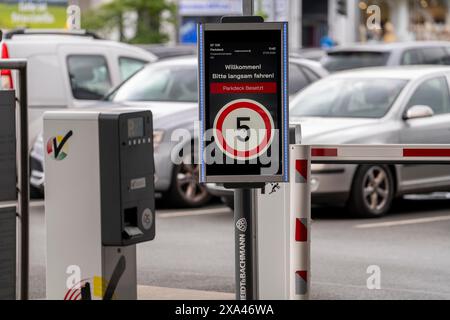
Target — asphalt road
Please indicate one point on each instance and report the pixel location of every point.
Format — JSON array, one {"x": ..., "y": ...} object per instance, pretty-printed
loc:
[{"x": 194, "y": 250}]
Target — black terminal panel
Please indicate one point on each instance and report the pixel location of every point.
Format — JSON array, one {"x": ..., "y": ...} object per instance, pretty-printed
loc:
[{"x": 127, "y": 178}]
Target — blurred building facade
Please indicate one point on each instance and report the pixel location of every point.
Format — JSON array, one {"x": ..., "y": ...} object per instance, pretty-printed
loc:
[
  {"x": 398, "y": 20},
  {"x": 411, "y": 19},
  {"x": 344, "y": 21},
  {"x": 311, "y": 21}
]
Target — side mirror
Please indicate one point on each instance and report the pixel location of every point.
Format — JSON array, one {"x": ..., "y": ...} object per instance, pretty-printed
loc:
[{"x": 419, "y": 111}]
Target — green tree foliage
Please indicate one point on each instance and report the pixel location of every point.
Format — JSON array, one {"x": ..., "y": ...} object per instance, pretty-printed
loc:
[{"x": 110, "y": 16}]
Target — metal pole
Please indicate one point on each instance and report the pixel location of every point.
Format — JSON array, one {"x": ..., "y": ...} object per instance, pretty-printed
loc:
[
  {"x": 245, "y": 227},
  {"x": 24, "y": 185},
  {"x": 248, "y": 7},
  {"x": 245, "y": 244},
  {"x": 24, "y": 188}
]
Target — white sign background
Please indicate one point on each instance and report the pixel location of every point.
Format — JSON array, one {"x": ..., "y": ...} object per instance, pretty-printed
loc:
[{"x": 234, "y": 137}]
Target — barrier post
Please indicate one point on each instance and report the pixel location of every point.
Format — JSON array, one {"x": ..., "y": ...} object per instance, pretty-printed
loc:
[
  {"x": 300, "y": 222},
  {"x": 273, "y": 255}
]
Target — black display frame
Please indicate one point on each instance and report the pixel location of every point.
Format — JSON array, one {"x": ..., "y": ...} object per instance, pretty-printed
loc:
[{"x": 234, "y": 175}]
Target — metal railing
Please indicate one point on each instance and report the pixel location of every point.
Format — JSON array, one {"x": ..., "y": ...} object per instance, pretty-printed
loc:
[{"x": 23, "y": 186}]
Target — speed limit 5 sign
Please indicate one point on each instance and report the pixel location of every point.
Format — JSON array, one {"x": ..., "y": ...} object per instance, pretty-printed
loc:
[
  {"x": 243, "y": 129},
  {"x": 243, "y": 102}
]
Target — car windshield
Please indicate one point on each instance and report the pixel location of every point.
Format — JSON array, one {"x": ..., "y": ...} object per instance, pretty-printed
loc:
[
  {"x": 345, "y": 60},
  {"x": 350, "y": 98},
  {"x": 159, "y": 83}
]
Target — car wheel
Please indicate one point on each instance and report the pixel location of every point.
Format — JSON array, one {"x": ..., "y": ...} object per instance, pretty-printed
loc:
[
  {"x": 372, "y": 191},
  {"x": 186, "y": 190}
]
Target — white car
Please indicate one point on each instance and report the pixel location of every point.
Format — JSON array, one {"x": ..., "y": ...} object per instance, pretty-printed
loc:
[
  {"x": 396, "y": 105},
  {"x": 67, "y": 68}
]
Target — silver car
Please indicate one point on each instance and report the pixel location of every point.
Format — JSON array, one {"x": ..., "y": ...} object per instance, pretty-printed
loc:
[
  {"x": 405, "y": 105},
  {"x": 169, "y": 89},
  {"x": 363, "y": 55}
]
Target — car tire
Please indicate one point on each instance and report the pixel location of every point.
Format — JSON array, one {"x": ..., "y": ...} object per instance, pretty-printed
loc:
[
  {"x": 185, "y": 189},
  {"x": 372, "y": 191}
]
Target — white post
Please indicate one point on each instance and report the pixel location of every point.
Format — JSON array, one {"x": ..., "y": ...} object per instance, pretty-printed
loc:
[
  {"x": 284, "y": 220},
  {"x": 273, "y": 242},
  {"x": 300, "y": 222}
]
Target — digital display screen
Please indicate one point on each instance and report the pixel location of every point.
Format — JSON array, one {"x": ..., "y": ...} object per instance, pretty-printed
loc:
[
  {"x": 243, "y": 73},
  {"x": 135, "y": 127}
]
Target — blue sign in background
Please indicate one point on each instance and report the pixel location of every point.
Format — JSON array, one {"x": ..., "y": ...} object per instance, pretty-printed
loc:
[{"x": 188, "y": 31}]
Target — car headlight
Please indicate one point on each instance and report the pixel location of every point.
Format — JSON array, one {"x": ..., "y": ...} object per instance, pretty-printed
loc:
[{"x": 158, "y": 136}]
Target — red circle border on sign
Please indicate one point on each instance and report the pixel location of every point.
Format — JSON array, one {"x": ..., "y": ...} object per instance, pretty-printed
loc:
[{"x": 248, "y": 105}]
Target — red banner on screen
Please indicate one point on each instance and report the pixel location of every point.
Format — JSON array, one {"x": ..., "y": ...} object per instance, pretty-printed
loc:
[{"x": 243, "y": 87}]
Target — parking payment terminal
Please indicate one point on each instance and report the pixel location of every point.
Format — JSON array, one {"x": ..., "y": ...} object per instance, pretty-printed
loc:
[{"x": 99, "y": 201}]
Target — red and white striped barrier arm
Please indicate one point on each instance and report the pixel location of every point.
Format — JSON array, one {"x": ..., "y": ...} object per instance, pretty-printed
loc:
[
  {"x": 301, "y": 157},
  {"x": 300, "y": 222},
  {"x": 397, "y": 154}
]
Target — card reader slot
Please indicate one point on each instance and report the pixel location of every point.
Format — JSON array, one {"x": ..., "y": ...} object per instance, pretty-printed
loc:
[
  {"x": 130, "y": 222},
  {"x": 130, "y": 217}
]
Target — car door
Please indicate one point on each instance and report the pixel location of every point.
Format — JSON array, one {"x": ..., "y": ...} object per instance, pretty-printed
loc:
[{"x": 432, "y": 92}]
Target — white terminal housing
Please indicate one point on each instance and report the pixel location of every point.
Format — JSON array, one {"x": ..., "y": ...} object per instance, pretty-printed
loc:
[{"x": 99, "y": 201}]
